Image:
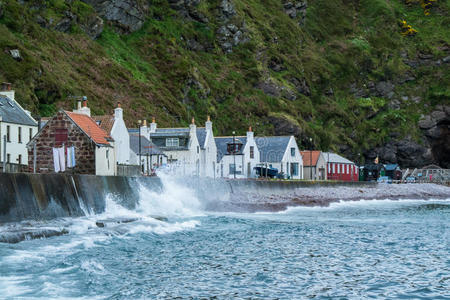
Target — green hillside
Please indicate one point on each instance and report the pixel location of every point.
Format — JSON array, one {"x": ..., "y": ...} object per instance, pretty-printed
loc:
[{"x": 338, "y": 71}]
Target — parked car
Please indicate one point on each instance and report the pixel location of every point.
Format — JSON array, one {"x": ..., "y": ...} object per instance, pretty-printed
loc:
[
  {"x": 384, "y": 179},
  {"x": 410, "y": 179}
]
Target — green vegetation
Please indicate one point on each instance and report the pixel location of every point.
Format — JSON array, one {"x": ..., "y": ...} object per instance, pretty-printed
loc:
[{"x": 154, "y": 73}]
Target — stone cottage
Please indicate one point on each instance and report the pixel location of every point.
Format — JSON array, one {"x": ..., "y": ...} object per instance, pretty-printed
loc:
[{"x": 93, "y": 147}]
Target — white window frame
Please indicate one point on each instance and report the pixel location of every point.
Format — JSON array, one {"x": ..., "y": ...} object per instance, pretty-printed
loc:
[{"x": 172, "y": 142}]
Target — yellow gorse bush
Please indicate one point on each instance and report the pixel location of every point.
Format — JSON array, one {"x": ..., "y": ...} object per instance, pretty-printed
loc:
[
  {"x": 407, "y": 30},
  {"x": 425, "y": 4}
]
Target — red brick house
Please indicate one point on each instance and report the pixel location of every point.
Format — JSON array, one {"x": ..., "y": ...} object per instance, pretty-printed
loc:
[{"x": 94, "y": 148}]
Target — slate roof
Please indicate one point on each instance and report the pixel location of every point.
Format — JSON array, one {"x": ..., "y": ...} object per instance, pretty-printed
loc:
[
  {"x": 105, "y": 122},
  {"x": 221, "y": 144},
  {"x": 145, "y": 145},
  {"x": 11, "y": 112},
  {"x": 391, "y": 167},
  {"x": 335, "y": 158},
  {"x": 90, "y": 127},
  {"x": 272, "y": 148},
  {"x": 310, "y": 156},
  {"x": 201, "y": 136}
]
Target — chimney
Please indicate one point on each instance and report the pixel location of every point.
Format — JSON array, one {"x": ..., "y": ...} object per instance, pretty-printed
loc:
[
  {"x": 118, "y": 112},
  {"x": 144, "y": 129},
  {"x": 208, "y": 124},
  {"x": 6, "y": 90},
  {"x": 153, "y": 125},
  {"x": 250, "y": 133},
  {"x": 193, "y": 127},
  {"x": 6, "y": 86},
  {"x": 78, "y": 104},
  {"x": 85, "y": 109}
]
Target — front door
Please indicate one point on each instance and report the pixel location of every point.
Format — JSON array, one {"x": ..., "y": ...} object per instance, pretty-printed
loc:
[{"x": 249, "y": 170}]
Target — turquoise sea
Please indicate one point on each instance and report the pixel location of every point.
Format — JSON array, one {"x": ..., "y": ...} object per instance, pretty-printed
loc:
[{"x": 380, "y": 249}]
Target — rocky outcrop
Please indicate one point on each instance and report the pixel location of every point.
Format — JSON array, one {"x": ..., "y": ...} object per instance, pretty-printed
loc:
[
  {"x": 231, "y": 33},
  {"x": 436, "y": 127},
  {"x": 126, "y": 15},
  {"x": 188, "y": 9},
  {"x": 283, "y": 126},
  {"x": 296, "y": 9}
]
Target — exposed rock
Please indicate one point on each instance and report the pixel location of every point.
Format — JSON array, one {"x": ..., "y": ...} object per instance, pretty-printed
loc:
[
  {"x": 64, "y": 25},
  {"x": 126, "y": 15},
  {"x": 227, "y": 9},
  {"x": 230, "y": 33},
  {"x": 296, "y": 9},
  {"x": 385, "y": 89},
  {"x": 283, "y": 126},
  {"x": 188, "y": 9},
  {"x": 276, "y": 65},
  {"x": 194, "y": 84},
  {"x": 93, "y": 27},
  {"x": 269, "y": 88},
  {"x": 15, "y": 53},
  {"x": 301, "y": 85}
]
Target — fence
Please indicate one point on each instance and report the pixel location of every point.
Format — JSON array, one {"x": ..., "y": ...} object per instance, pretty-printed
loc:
[{"x": 128, "y": 170}]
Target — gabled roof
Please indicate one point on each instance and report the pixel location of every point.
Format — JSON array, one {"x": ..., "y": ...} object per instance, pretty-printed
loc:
[
  {"x": 222, "y": 145},
  {"x": 335, "y": 158},
  {"x": 201, "y": 136},
  {"x": 272, "y": 148},
  {"x": 391, "y": 167},
  {"x": 105, "y": 122},
  {"x": 11, "y": 112},
  {"x": 90, "y": 127},
  {"x": 147, "y": 147},
  {"x": 310, "y": 158}
]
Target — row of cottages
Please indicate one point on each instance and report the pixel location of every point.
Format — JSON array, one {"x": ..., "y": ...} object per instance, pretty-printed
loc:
[
  {"x": 17, "y": 128},
  {"x": 238, "y": 156},
  {"x": 189, "y": 151}
]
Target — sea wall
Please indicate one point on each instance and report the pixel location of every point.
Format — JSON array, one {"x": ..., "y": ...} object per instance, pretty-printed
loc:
[{"x": 47, "y": 196}]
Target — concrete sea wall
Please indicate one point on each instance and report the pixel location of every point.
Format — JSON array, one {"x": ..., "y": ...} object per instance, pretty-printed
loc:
[{"x": 47, "y": 196}]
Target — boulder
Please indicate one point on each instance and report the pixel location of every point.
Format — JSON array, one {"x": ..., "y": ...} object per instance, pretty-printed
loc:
[
  {"x": 284, "y": 126},
  {"x": 301, "y": 85},
  {"x": 15, "y": 53},
  {"x": 227, "y": 9},
  {"x": 93, "y": 27},
  {"x": 269, "y": 88},
  {"x": 385, "y": 89},
  {"x": 126, "y": 15}
]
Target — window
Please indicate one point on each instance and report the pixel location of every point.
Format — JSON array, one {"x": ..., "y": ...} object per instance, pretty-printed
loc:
[
  {"x": 31, "y": 134},
  {"x": 61, "y": 135},
  {"x": 19, "y": 135},
  {"x": 334, "y": 168},
  {"x": 198, "y": 149},
  {"x": 292, "y": 151},
  {"x": 232, "y": 168},
  {"x": 8, "y": 158},
  {"x": 20, "y": 159},
  {"x": 294, "y": 169},
  {"x": 8, "y": 134},
  {"x": 172, "y": 142},
  {"x": 252, "y": 152}
]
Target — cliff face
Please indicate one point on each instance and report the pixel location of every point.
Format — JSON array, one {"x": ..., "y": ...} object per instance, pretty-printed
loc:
[{"x": 348, "y": 74}]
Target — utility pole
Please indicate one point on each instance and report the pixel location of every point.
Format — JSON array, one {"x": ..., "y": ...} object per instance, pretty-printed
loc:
[
  {"x": 234, "y": 154},
  {"x": 140, "y": 162}
]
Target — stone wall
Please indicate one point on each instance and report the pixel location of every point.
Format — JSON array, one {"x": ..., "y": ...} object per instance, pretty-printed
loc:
[{"x": 45, "y": 141}]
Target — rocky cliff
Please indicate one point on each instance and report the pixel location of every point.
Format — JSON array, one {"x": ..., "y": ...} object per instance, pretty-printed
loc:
[{"x": 351, "y": 75}]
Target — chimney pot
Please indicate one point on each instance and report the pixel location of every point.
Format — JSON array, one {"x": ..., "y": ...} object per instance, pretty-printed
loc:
[
  {"x": 193, "y": 121},
  {"x": 209, "y": 118},
  {"x": 84, "y": 103},
  {"x": 153, "y": 120},
  {"x": 250, "y": 128},
  {"x": 145, "y": 123},
  {"x": 119, "y": 105}
]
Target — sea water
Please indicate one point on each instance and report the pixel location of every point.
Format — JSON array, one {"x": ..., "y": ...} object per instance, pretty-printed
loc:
[{"x": 381, "y": 249}]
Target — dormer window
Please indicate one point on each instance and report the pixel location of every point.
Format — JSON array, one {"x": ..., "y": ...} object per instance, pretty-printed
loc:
[
  {"x": 234, "y": 147},
  {"x": 172, "y": 142}
]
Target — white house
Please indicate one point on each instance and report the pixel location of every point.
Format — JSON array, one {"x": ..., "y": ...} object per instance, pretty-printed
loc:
[
  {"x": 237, "y": 156},
  {"x": 208, "y": 150},
  {"x": 151, "y": 156},
  {"x": 17, "y": 128},
  {"x": 180, "y": 145},
  {"x": 281, "y": 152},
  {"x": 115, "y": 126}
]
